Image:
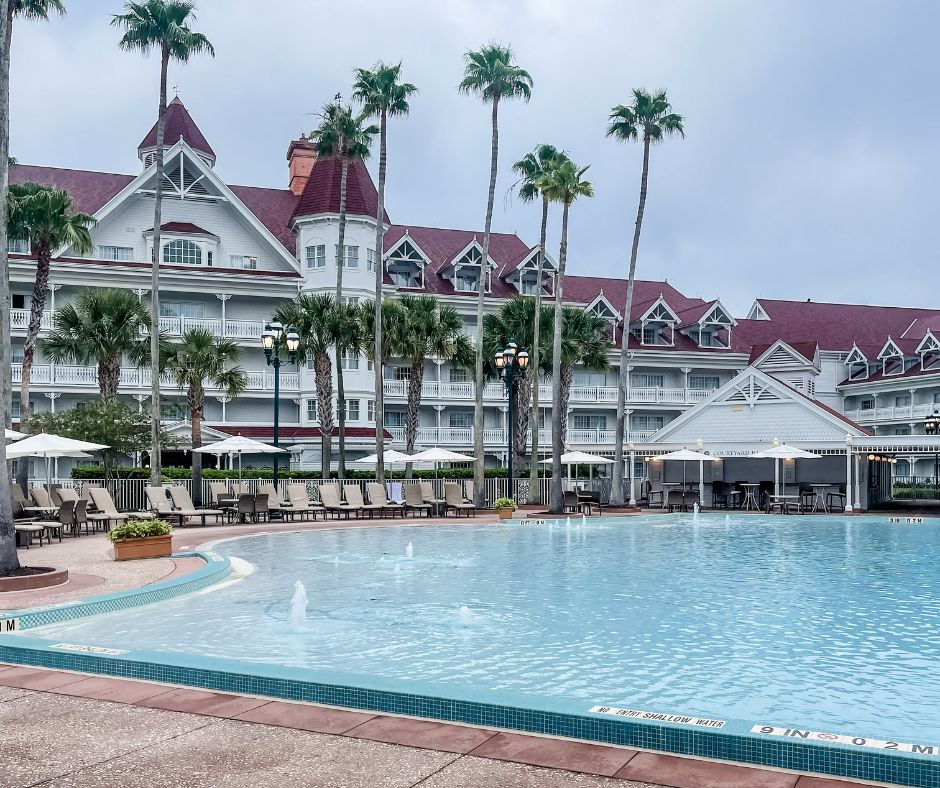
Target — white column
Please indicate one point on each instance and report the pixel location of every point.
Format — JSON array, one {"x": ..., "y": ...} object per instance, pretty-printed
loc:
[
  {"x": 858, "y": 492},
  {"x": 140, "y": 402},
  {"x": 685, "y": 382},
  {"x": 632, "y": 479},
  {"x": 223, "y": 297},
  {"x": 439, "y": 410},
  {"x": 53, "y": 288},
  {"x": 223, "y": 399},
  {"x": 53, "y": 396},
  {"x": 848, "y": 474}
]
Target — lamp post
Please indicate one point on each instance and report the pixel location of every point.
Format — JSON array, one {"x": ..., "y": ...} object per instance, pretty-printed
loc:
[
  {"x": 932, "y": 427},
  {"x": 511, "y": 364},
  {"x": 274, "y": 339}
]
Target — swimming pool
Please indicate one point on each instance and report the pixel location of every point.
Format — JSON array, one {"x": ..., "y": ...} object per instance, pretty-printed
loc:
[{"x": 820, "y": 624}]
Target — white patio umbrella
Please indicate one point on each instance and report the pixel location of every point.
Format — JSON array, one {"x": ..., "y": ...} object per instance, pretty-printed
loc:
[
  {"x": 438, "y": 455},
  {"x": 49, "y": 446},
  {"x": 687, "y": 455},
  {"x": 391, "y": 457},
  {"x": 579, "y": 458},
  {"x": 13, "y": 435},
  {"x": 240, "y": 445},
  {"x": 783, "y": 451}
]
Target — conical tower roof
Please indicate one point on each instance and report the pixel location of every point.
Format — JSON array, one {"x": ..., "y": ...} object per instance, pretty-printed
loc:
[
  {"x": 179, "y": 125},
  {"x": 321, "y": 194}
]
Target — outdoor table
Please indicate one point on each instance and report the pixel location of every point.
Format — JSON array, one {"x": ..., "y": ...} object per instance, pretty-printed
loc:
[
  {"x": 820, "y": 491},
  {"x": 750, "y": 499}
]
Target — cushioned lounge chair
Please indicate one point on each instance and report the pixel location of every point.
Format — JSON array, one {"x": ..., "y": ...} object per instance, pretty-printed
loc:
[
  {"x": 414, "y": 500},
  {"x": 453, "y": 500},
  {"x": 183, "y": 504},
  {"x": 329, "y": 495},
  {"x": 353, "y": 494},
  {"x": 378, "y": 497}
]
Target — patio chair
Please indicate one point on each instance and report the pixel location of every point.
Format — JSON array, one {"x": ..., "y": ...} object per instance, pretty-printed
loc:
[
  {"x": 300, "y": 503},
  {"x": 590, "y": 500},
  {"x": 157, "y": 501},
  {"x": 807, "y": 498},
  {"x": 184, "y": 506},
  {"x": 836, "y": 497},
  {"x": 414, "y": 501},
  {"x": 329, "y": 496},
  {"x": 246, "y": 507},
  {"x": 427, "y": 493},
  {"x": 656, "y": 495},
  {"x": 453, "y": 500},
  {"x": 41, "y": 496},
  {"x": 353, "y": 494},
  {"x": 723, "y": 495},
  {"x": 570, "y": 502},
  {"x": 378, "y": 497},
  {"x": 106, "y": 512},
  {"x": 81, "y": 515},
  {"x": 262, "y": 507},
  {"x": 690, "y": 498},
  {"x": 675, "y": 501},
  {"x": 55, "y": 526}
]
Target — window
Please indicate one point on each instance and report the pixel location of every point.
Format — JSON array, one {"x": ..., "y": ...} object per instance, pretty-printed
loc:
[
  {"x": 644, "y": 381},
  {"x": 902, "y": 400},
  {"x": 704, "y": 382},
  {"x": 194, "y": 309},
  {"x": 248, "y": 262},
  {"x": 402, "y": 373},
  {"x": 350, "y": 361},
  {"x": 172, "y": 410},
  {"x": 584, "y": 421},
  {"x": 527, "y": 286},
  {"x": 116, "y": 252},
  {"x": 352, "y": 410},
  {"x": 639, "y": 469},
  {"x": 16, "y": 355},
  {"x": 316, "y": 256},
  {"x": 18, "y": 246},
  {"x": 370, "y": 259},
  {"x": 649, "y": 336},
  {"x": 902, "y": 430},
  {"x": 370, "y": 410},
  {"x": 647, "y": 423},
  {"x": 311, "y": 409},
  {"x": 936, "y": 398},
  {"x": 351, "y": 300},
  {"x": 20, "y": 301},
  {"x": 459, "y": 375},
  {"x": 467, "y": 282},
  {"x": 352, "y": 256},
  {"x": 394, "y": 418},
  {"x": 461, "y": 420},
  {"x": 182, "y": 253},
  {"x": 866, "y": 404}
]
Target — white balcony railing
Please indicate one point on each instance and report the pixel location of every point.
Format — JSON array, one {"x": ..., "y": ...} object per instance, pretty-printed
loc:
[
  {"x": 894, "y": 413},
  {"x": 138, "y": 378},
  {"x": 432, "y": 389},
  {"x": 19, "y": 320},
  {"x": 496, "y": 436}
]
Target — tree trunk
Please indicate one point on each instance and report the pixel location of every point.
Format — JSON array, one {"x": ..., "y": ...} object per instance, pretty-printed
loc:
[
  {"x": 340, "y": 262},
  {"x": 558, "y": 440},
  {"x": 109, "y": 376},
  {"x": 521, "y": 419},
  {"x": 40, "y": 286},
  {"x": 616, "y": 486},
  {"x": 415, "y": 381},
  {"x": 567, "y": 377},
  {"x": 478, "y": 480},
  {"x": 196, "y": 398},
  {"x": 156, "y": 471},
  {"x": 379, "y": 276},
  {"x": 534, "y": 361},
  {"x": 323, "y": 379},
  {"x": 8, "y": 559}
]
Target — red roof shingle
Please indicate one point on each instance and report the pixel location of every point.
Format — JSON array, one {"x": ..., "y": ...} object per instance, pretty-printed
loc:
[
  {"x": 179, "y": 125},
  {"x": 322, "y": 192}
]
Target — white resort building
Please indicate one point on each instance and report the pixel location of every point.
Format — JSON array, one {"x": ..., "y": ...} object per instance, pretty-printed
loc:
[{"x": 231, "y": 254}]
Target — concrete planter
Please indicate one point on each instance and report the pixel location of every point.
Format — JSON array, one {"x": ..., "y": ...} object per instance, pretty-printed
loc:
[
  {"x": 145, "y": 547},
  {"x": 505, "y": 512}
]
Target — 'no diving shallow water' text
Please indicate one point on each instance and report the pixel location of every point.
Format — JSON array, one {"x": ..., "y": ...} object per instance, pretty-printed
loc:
[{"x": 654, "y": 716}]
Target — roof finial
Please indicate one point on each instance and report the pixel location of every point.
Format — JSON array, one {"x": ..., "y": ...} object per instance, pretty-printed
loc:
[{"x": 176, "y": 89}]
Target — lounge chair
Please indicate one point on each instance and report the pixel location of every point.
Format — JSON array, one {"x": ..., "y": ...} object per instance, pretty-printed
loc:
[
  {"x": 353, "y": 494},
  {"x": 427, "y": 492},
  {"x": 395, "y": 492},
  {"x": 453, "y": 500},
  {"x": 158, "y": 503},
  {"x": 67, "y": 493},
  {"x": 41, "y": 496},
  {"x": 274, "y": 500},
  {"x": 378, "y": 498},
  {"x": 29, "y": 529},
  {"x": 329, "y": 495},
  {"x": 183, "y": 504},
  {"x": 105, "y": 510},
  {"x": 219, "y": 491},
  {"x": 414, "y": 501},
  {"x": 300, "y": 503}
]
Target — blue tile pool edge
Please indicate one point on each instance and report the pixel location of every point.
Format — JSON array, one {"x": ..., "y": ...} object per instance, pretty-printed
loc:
[
  {"x": 734, "y": 743},
  {"x": 217, "y": 567}
]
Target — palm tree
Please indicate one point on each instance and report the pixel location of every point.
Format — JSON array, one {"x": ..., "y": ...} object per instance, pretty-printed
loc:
[
  {"x": 342, "y": 134},
  {"x": 427, "y": 330},
  {"x": 584, "y": 342},
  {"x": 314, "y": 317},
  {"x": 534, "y": 170},
  {"x": 382, "y": 95},
  {"x": 515, "y": 322},
  {"x": 36, "y": 9},
  {"x": 490, "y": 73},
  {"x": 163, "y": 25},
  {"x": 567, "y": 184},
  {"x": 43, "y": 216},
  {"x": 200, "y": 359},
  {"x": 101, "y": 327},
  {"x": 649, "y": 116}
]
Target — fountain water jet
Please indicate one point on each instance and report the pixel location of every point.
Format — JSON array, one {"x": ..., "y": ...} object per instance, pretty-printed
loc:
[
  {"x": 568, "y": 523},
  {"x": 409, "y": 551},
  {"x": 695, "y": 512},
  {"x": 727, "y": 519},
  {"x": 465, "y": 616},
  {"x": 583, "y": 521},
  {"x": 298, "y": 606}
]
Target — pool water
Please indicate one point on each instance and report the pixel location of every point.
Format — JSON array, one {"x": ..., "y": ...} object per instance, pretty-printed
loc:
[{"x": 824, "y": 622}]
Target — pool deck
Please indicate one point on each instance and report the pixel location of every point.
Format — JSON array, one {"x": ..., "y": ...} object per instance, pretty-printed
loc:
[{"x": 70, "y": 729}]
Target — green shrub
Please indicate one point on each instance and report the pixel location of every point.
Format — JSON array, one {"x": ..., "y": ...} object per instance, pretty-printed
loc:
[
  {"x": 504, "y": 503},
  {"x": 139, "y": 529}
]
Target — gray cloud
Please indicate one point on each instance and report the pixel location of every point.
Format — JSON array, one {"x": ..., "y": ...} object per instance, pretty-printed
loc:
[{"x": 808, "y": 169}]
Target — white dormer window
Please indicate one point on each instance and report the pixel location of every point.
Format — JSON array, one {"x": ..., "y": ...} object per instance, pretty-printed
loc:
[
  {"x": 714, "y": 328},
  {"x": 892, "y": 359},
  {"x": 467, "y": 272},
  {"x": 929, "y": 352},
  {"x": 657, "y": 325},
  {"x": 405, "y": 265},
  {"x": 182, "y": 252},
  {"x": 857, "y": 364}
]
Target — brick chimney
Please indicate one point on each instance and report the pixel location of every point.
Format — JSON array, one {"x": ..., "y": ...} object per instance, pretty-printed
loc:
[{"x": 301, "y": 158}]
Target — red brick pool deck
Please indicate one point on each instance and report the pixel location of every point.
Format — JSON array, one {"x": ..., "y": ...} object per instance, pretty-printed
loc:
[{"x": 215, "y": 730}]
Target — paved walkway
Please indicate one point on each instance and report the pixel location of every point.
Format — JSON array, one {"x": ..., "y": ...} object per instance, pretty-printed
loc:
[{"x": 67, "y": 729}]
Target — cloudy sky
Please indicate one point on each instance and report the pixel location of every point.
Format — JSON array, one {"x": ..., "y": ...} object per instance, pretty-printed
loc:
[{"x": 809, "y": 167}]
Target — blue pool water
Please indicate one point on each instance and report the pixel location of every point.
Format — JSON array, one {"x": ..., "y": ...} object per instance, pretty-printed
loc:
[{"x": 826, "y": 623}]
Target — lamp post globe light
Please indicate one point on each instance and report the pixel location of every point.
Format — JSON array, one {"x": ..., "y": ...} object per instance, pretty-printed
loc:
[
  {"x": 274, "y": 339},
  {"x": 511, "y": 365}
]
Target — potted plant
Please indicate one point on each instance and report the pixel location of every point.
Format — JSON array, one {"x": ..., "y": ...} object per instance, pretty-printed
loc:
[
  {"x": 142, "y": 539},
  {"x": 505, "y": 507}
]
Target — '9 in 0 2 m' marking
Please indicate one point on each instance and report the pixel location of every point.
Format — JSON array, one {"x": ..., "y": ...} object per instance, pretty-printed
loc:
[{"x": 838, "y": 738}]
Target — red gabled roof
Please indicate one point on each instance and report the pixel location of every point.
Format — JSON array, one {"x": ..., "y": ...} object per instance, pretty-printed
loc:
[
  {"x": 805, "y": 349},
  {"x": 89, "y": 190},
  {"x": 182, "y": 227},
  {"x": 179, "y": 125},
  {"x": 322, "y": 192}
]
